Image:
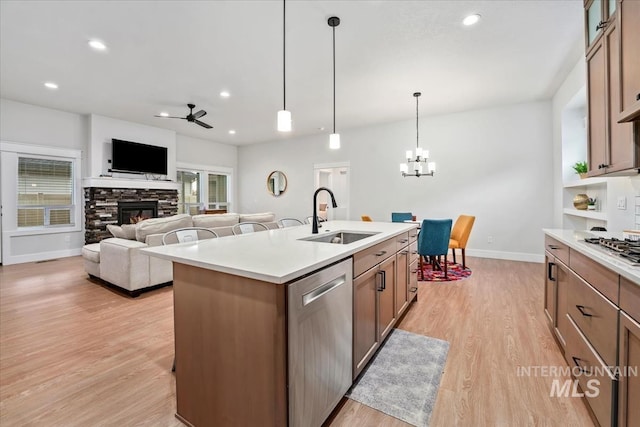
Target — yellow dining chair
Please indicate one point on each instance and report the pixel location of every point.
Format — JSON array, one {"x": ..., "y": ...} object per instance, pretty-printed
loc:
[
  {"x": 366, "y": 218},
  {"x": 460, "y": 236}
]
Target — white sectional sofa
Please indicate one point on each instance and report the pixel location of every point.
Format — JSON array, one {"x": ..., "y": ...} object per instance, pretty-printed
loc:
[{"x": 118, "y": 260}]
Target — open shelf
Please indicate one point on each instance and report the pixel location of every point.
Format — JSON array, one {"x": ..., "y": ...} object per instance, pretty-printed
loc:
[
  {"x": 586, "y": 214},
  {"x": 584, "y": 182}
]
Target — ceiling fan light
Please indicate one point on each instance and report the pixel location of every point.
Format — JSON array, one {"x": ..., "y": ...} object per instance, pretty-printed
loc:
[
  {"x": 284, "y": 121},
  {"x": 334, "y": 141}
]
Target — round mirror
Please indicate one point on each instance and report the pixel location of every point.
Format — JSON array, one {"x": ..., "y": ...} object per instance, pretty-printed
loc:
[{"x": 276, "y": 183}]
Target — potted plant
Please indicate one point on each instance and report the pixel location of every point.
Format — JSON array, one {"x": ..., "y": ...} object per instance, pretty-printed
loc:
[
  {"x": 591, "y": 203},
  {"x": 581, "y": 169}
]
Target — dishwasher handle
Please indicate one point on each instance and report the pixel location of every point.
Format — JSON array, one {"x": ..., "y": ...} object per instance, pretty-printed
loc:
[{"x": 313, "y": 295}]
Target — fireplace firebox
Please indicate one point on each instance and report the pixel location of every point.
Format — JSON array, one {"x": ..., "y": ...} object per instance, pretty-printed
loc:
[{"x": 133, "y": 212}]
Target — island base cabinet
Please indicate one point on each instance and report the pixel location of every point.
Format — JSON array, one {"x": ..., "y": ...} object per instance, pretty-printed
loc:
[
  {"x": 402, "y": 282},
  {"x": 555, "y": 297},
  {"x": 365, "y": 306},
  {"x": 629, "y": 386},
  {"x": 231, "y": 351},
  {"x": 413, "y": 280},
  {"x": 386, "y": 293}
]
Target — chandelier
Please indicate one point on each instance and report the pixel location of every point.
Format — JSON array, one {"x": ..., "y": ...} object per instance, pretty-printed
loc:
[{"x": 421, "y": 156}]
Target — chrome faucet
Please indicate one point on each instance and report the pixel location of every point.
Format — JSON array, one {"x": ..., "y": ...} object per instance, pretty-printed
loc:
[{"x": 314, "y": 230}]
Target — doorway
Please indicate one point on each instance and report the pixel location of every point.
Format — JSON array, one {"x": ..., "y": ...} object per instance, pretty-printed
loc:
[{"x": 334, "y": 176}]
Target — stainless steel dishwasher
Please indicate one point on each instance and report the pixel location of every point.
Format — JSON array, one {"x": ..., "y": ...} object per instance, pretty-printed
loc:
[{"x": 320, "y": 309}]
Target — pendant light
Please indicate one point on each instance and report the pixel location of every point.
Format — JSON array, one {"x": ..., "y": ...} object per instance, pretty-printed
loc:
[
  {"x": 334, "y": 138},
  {"x": 284, "y": 116},
  {"x": 422, "y": 156}
]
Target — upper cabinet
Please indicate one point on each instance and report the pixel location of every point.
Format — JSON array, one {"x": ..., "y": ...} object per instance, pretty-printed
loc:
[
  {"x": 629, "y": 23},
  {"x": 613, "y": 147}
]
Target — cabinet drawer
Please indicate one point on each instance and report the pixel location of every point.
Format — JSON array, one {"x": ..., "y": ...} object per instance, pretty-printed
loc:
[
  {"x": 367, "y": 258},
  {"x": 595, "y": 381},
  {"x": 557, "y": 249},
  {"x": 413, "y": 252},
  {"x": 630, "y": 298},
  {"x": 598, "y": 276},
  {"x": 413, "y": 235},
  {"x": 596, "y": 317},
  {"x": 402, "y": 240}
]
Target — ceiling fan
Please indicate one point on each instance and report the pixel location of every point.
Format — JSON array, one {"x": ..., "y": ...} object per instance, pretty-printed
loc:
[{"x": 192, "y": 117}]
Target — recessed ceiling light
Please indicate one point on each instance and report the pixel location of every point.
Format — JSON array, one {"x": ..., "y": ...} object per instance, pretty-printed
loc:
[
  {"x": 51, "y": 85},
  {"x": 471, "y": 19},
  {"x": 321, "y": 128},
  {"x": 225, "y": 94},
  {"x": 97, "y": 44},
  {"x": 232, "y": 132},
  {"x": 164, "y": 114}
]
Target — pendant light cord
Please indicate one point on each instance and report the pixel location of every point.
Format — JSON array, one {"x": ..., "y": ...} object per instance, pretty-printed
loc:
[
  {"x": 334, "y": 79},
  {"x": 284, "y": 55},
  {"x": 417, "y": 143}
]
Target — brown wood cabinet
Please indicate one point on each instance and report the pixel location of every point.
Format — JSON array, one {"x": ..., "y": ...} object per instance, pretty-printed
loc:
[
  {"x": 402, "y": 281},
  {"x": 629, "y": 23},
  {"x": 629, "y": 382},
  {"x": 613, "y": 147},
  {"x": 555, "y": 291}
]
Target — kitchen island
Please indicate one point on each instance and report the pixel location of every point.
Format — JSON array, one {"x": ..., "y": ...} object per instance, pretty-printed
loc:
[{"x": 232, "y": 309}]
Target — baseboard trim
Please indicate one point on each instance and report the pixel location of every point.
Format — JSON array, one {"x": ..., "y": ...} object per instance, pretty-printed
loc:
[
  {"x": 41, "y": 256},
  {"x": 511, "y": 256}
]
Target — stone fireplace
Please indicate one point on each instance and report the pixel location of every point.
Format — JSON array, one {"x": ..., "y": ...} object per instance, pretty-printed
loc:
[
  {"x": 104, "y": 206},
  {"x": 134, "y": 212}
]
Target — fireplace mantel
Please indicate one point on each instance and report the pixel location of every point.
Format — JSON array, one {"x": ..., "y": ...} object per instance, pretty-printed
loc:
[{"x": 107, "y": 182}]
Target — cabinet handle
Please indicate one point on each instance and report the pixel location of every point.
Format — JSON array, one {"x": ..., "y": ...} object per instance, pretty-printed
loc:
[
  {"x": 581, "y": 310},
  {"x": 601, "y": 25},
  {"x": 553, "y": 247},
  {"x": 404, "y": 252},
  {"x": 602, "y": 166},
  {"x": 404, "y": 240},
  {"x": 577, "y": 360},
  {"x": 381, "y": 253},
  {"x": 383, "y": 278},
  {"x": 415, "y": 235},
  {"x": 638, "y": 97},
  {"x": 413, "y": 289},
  {"x": 549, "y": 276}
]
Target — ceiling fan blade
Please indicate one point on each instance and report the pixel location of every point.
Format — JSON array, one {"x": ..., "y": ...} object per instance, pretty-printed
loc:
[
  {"x": 203, "y": 124},
  {"x": 171, "y": 117},
  {"x": 199, "y": 114}
]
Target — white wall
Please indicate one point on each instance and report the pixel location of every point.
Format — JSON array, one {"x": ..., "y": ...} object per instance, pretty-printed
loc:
[{"x": 493, "y": 163}]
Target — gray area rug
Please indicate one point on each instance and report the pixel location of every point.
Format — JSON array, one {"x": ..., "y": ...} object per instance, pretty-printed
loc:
[{"x": 403, "y": 379}]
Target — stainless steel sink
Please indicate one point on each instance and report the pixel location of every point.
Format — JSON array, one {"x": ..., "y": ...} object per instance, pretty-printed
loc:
[{"x": 340, "y": 237}]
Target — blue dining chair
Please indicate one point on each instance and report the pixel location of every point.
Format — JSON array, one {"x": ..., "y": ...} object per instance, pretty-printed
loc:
[
  {"x": 401, "y": 216},
  {"x": 433, "y": 241}
]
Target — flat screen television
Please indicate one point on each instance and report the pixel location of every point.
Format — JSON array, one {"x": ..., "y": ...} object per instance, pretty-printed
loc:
[{"x": 133, "y": 157}]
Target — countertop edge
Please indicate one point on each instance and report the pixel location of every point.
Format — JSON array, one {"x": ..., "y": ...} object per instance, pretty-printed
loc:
[{"x": 628, "y": 272}]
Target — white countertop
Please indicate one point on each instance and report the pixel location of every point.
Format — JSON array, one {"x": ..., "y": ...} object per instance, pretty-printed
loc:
[
  {"x": 575, "y": 240},
  {"x": 276, "y": 256}
]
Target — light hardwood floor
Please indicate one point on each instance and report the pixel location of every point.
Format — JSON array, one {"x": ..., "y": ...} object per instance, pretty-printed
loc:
[{"x": 75, "y": 353}]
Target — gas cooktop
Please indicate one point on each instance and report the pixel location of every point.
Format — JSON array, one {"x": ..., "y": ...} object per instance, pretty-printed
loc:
[{"x": 627, "y": 249}]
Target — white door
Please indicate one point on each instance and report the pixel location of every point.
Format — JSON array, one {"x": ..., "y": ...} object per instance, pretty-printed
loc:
[{"x": 334, "y": 176}]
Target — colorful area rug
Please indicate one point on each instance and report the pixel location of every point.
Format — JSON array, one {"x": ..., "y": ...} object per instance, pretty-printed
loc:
[
  {"x": 455, "y": 272},
  {"x": 404, "y": 377}
]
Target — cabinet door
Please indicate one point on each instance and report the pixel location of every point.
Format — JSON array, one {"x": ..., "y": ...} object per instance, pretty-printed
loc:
[
  {"x": 629, "y": 384},
  {"x": 386, "y": 292},
  {"x": 550, "y": 289},
  {"x": 413, "y": 280},
  {"x": 402, "y": 281},
  {"x": 628, "y": 19},
  {"x": 596, "y": 101},
  {"x": 622, "y": 152},
  {"x": 593, "y": 19},
  {"x": 365, "y": 333},
  {"x": 561, "y": 319}
]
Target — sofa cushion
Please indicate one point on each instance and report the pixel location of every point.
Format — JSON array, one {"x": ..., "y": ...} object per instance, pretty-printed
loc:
[
  {"x": 215, "y": 220},
  {"x": 258, "y": 217},
  {"x": 162, "y": 225},
  {"x": 91, "y": 252},
  {"x": 124, "y": 231}
]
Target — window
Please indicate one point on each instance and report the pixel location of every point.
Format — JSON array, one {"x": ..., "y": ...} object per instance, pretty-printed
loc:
[
  {"x": 45, "y": 192},
  {"x": 202, "y": 190}
]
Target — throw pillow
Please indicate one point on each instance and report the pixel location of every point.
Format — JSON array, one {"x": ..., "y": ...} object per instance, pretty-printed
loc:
[{"x": 116, "y": 231}]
